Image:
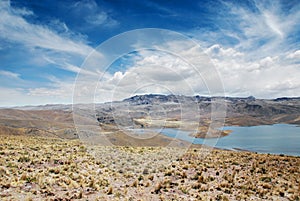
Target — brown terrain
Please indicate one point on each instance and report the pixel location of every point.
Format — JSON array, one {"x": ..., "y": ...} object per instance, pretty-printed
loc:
[
  {"x": 37, "y": 168},
  {"x": 42, "y": 157}
]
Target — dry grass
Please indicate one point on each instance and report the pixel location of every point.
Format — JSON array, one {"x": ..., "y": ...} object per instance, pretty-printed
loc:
[{"x": 36, "y": 168}]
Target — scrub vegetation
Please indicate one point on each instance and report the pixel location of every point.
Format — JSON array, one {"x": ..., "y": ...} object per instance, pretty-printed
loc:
[{"x": 39, "y": 168}]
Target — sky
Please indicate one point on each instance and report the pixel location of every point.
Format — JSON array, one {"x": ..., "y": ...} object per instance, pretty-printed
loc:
[{"x": 51, "y": 50}]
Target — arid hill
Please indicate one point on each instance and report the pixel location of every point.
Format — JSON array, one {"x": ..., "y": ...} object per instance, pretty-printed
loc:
[
  {"x": 165, "y": 110},
  {"x": 41, "y": 160}
]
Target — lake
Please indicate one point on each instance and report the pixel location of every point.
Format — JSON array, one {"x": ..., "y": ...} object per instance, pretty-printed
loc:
[{"x": 274, "y": 139}]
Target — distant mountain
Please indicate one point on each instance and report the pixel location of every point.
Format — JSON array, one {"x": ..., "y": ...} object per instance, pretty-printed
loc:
[
  {"x": 241, "y": 111},
  {"x": 64, "y": 107},
  {"x": 57, "y": 119},
  {"x": 235, "y": 105}
]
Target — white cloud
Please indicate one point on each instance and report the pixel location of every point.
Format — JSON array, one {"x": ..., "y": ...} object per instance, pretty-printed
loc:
[
  {"x": 262, "y": 59},
  {"x": 218, "y": 51},
  {"x": 59, "y": 26},
  {"x": 19, "y": 97},
  {"x": 93, "y": 14},
  {"x": 77, "y": 69},
  {"x": 267, "y": 77},
  {"x": 60, "y": 91},
  {"x": 22, "y": 11},
  {"x": 101, "y": 19},
  {"x": 9, "y": 74},
  {"x": 15, "y": 28},
  {"x": 160, "y": 72},
  {"x": 43, "y": 44},
  {"x": 262, "y": 62},
  {"x": 157, "y": 72},
  {"x": 97, "y": 19},
  {"x": 266, "y": 29},
  {"x": 273, "y": 23},
  {"x": 63, "y": 64},
  {"x": 294, "y": 55}
]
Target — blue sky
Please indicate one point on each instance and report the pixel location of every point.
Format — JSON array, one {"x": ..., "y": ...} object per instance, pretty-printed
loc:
[{"x": 254, "y": 46}]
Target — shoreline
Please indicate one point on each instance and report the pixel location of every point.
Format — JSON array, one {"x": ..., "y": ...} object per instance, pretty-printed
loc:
[{"x": 184, "y": 142}]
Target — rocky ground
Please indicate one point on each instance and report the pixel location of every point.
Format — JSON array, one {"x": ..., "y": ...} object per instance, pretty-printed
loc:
[
  {"x": 37, "y": 168},
  {"x": 41, "y": 157}
]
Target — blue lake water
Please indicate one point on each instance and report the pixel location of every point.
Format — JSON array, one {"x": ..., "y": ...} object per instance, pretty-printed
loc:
[{"x": 274, "y": 139}]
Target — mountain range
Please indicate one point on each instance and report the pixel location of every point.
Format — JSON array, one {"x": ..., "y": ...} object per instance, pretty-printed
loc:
[{"x": 57, "y": 120}]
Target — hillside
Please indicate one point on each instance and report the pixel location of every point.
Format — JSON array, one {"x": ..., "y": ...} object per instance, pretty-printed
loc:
[
  {"x": 160, "y": 110},
  {"x": 36, "y": 168},
  {"x": 40, "y": 159}
]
